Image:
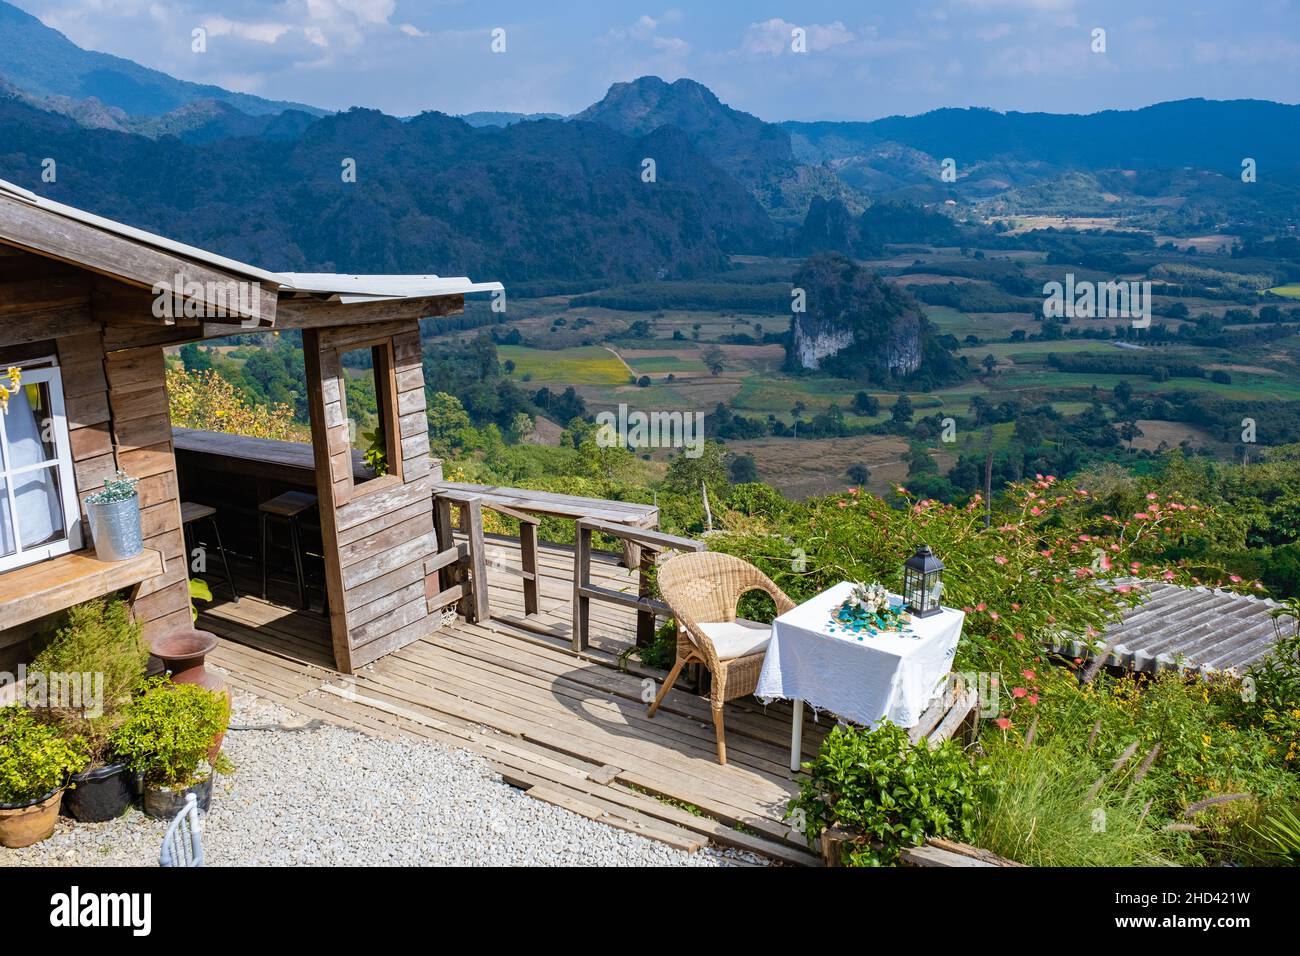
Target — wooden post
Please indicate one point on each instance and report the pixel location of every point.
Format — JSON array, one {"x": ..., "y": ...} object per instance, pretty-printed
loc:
[
  {"x": 645, "y": 620},
  {"x": 528, "y": 558},
  {"x": 581, "y": 574},
  {"x": 442, "y": 529},
  {"x": 474, "y": 606}
]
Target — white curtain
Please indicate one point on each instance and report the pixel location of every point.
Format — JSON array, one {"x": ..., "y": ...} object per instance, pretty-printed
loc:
[{"x": 36, "y": 496}]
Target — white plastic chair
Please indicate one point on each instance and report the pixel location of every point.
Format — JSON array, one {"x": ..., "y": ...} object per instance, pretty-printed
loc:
[{"x": 183, "y": 843}]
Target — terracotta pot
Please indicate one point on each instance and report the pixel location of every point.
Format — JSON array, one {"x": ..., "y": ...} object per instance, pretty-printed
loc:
[
  {"x": 29, "y": 823},
  {"x": 183, "y": 652}
]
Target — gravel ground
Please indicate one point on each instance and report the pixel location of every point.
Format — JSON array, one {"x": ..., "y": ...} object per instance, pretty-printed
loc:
[{"x": 326, "y": 796}]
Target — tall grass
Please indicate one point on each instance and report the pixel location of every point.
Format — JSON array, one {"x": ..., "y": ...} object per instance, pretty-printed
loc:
[{"x": 1046, "y": 809}]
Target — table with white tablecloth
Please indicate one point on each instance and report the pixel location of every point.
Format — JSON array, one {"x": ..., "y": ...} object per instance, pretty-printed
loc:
[{"x": 857, "y": 676}]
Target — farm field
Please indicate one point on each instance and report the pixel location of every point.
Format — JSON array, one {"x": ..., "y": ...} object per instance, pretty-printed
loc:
[
  {"x": 585, "y": 365},
  {"x": 802, "y": 467}
]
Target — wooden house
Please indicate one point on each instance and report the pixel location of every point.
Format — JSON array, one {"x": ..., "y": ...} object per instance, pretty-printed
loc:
[{"x": 87, "y": 308}]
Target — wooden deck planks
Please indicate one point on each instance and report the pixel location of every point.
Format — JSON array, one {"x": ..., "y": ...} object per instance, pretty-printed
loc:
[{"x": 571, "y": 729}]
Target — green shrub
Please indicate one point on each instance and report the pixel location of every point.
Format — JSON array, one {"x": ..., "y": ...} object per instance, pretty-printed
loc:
[
  {"x": 881, "y": 786},
  {"x": 1280, "y": 830},
  {"x": 98, "y": 637},
  {"x": 1044, "y": 808},
  {"x": 34, "y": 758},
  {"x": 168, "y": 731}
]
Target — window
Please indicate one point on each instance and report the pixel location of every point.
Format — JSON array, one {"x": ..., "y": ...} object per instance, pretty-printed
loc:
[
  {"x": 369, "y": 400},
  {"x": 39, "y": 514}
]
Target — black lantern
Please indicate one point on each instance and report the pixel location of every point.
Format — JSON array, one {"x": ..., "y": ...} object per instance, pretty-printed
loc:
[{"x": 923, "y": 582}]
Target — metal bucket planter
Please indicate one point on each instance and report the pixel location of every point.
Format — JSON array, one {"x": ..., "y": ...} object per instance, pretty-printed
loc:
[
  {"x": 115, "y": 528},
  {"x": 164, "y": 804}
]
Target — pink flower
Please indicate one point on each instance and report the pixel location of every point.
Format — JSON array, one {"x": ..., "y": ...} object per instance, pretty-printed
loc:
[
  {"x": 1169, "y": 575},
  {"x": 1151, "y": 497},
  {"x": 1018, "y": 636},
  {"x": 1003, "y": 723},
  {"x": 999, "y": 559},
  {"x": 1027, "y": 675},
  {"x": 1018, "y": 692},
  {"x": 1034, "y": 511},
  {"x": 1033, "y": 698},
  {"x": 993, "y": 614},
  {"x": 1235, "y": 579},
  {"x": 1124, "y": 589},
  {"x": 1141, "y": 515},
  {"x": 981, "y": 606}
]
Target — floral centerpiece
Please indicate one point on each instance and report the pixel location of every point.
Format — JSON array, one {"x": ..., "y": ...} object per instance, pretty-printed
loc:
[{"x": 870, "y": 609}]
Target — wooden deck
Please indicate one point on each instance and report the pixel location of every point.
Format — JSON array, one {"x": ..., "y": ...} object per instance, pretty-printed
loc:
[{"x": 570, "y": 729}]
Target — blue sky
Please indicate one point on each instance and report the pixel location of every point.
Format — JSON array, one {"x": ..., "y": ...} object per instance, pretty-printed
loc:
[{"x": 864, "y": 60}]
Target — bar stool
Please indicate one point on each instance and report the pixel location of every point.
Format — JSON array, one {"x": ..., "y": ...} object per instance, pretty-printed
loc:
[
  {"x": 192, "y": 512},
  {"x": 287, "y": 507}
]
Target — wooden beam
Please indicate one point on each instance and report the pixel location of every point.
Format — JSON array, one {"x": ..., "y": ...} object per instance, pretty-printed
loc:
[
  {"x": 97, "y": 250},
  {"x": 310, "y": 313}
]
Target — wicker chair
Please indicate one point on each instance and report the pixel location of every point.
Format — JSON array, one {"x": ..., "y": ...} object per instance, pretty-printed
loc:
[{"x": 702, "y": 589}]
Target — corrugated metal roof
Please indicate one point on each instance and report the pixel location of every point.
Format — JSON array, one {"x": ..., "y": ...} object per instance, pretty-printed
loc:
[
  {"x": 346, "y": 288},
  {"x": 1196, "y": 629}
]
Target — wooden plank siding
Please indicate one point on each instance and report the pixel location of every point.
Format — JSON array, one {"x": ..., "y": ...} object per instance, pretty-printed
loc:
[
  {"x": 141, "y": 433},
  {"x": 378, "y": 534}
]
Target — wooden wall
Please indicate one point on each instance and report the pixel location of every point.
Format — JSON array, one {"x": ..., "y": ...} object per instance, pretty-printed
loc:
[
  {"x": 142, "y": 434},
  {"x": 376, "y": 535},
  {"x": 116, "y": 408}
]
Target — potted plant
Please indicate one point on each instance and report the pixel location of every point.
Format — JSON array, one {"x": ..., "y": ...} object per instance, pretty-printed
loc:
[
  {"x": 35, "y": 761},
  {"x": 166, "y": 738},
  {"x": 114, "y": 516},
  {"x": 97, "y": 638}
]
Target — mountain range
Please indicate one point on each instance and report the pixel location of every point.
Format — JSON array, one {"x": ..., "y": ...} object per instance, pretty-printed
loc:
[{"x": 539, "y": 197}]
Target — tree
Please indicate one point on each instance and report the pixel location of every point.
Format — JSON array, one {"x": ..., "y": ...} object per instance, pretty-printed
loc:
[
  {"x": 643, "y": 381},
  {"x": 509, "y": 366},
  {"x": 865, "y": 403},
  {"x": 901, "y": 413},
  {"x": 989, "y": 363},
  {"x": 1123, "y": 393},
  {"x": 448, "y": 421},
  {"x": 195, "y": 359},
  {"x": 713, "y": 360},
  {"x": 1128, "y": 431},
  {"x": 742, "y": 469},
  {"x": 859, "y": 473},
  {"x": 710, "y": 466}
]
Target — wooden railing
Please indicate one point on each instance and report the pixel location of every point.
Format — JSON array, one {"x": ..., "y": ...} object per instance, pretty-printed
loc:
[
  {"x": 458, "y": 573},
  {"x": 649, "y": 544}
]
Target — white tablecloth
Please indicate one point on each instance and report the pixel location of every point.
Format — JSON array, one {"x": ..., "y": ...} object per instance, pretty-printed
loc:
[{"x": 890, "y": 676}]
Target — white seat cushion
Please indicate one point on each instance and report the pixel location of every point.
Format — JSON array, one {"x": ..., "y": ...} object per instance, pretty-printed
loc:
[{"x": 732, "y": 639}]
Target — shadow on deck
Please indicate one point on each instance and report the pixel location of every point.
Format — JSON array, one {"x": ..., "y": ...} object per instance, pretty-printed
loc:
[{"x": 569, "y": 728}]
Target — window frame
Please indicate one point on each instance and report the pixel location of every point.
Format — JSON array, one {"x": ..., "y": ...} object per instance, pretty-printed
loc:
[
  {"x": 383, "y": 367},
  {"x": 35, "y": 371}
]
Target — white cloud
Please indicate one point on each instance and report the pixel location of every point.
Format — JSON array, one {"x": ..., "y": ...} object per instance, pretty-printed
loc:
[{"x": 644, "y": 31}]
